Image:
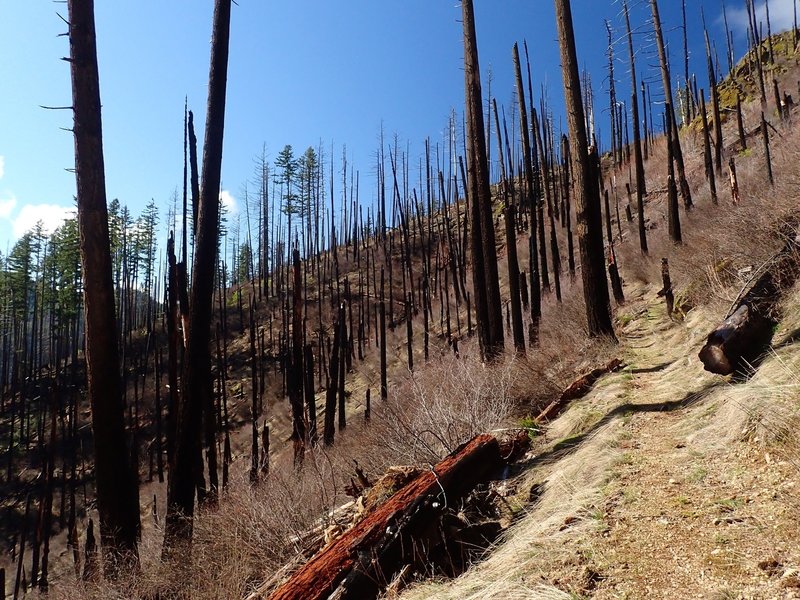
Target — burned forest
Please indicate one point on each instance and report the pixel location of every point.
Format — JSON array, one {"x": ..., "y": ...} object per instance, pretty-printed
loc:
[{"x": 545, "y": 350}]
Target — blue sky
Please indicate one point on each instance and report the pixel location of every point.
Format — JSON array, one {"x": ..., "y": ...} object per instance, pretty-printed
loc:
[{"x": 301, "y": 72}]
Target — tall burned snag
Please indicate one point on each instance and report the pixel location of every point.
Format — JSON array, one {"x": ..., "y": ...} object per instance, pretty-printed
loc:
[
  {"x": 509, "y": 211},
  {"x": 590, "y": 226},
  {"x": 637, "y": 144},
  {"x": 767, "y": 156},
  {"x": 329, "y": 432},
  {"x": 484, "y": 252},
  {"x": 382, "y": 328},
  {"x": 254, "y": 456},
  {"x": 665, "y": 78},
  {"x": 196, "y": 394},
  {"x": 532, "y": 200},
  {"x": 296, "y": 366},
  {"x": 708, "y": 161},
  {"x": 115, "y": 476},
  {"x": 673, "y": 215}
]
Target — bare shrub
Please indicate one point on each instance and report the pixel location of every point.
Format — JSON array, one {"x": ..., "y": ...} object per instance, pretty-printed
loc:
[{"x": 444, "y": 405}]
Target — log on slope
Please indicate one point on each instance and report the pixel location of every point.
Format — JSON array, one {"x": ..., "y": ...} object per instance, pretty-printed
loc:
[{"x": 361, "y": 562}]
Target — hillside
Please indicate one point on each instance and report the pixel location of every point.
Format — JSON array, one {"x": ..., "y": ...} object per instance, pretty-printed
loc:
[
  {"x": 658, "y": 480},
  {"x": 667, "y": 481}
]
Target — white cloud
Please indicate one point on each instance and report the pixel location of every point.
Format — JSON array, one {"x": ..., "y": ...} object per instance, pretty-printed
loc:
[
  {"x": 2, "y": 166},
  {"x": 51, "y": 216},
  {"x": 8, "y": 204},
  {"x": 781, "y": 16},
  {"x": 228, "y": 202}
]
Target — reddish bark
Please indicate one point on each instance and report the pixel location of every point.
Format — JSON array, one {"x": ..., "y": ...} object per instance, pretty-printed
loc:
[
  {"x": 578, "y": 388},
  {"x": 380, "y": 535}
]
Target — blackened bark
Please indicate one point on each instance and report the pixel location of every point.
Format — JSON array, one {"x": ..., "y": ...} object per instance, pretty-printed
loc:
[
  {"x": 480, "y": 193},
  {"x": 296, "y": 367},
  {"x": 637, "y": 144},
  {"x": 194, "y": 179},
  {"x": 117, "y": 496},
  {"x": 665, "y": 78},
  {"x": 708, "y": 161},
  {"x": 587, "y": 206},
  {"x": 308, "y": 388},
  {"x": 196, "y": 389},
  {"x": 532, "y": 201},
  {"x": 673, "y": 215},
  {"x": 511, "y": 235}
]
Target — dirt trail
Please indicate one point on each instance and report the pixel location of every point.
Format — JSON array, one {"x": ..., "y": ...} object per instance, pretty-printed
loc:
[{"x": 664, "y": 482}]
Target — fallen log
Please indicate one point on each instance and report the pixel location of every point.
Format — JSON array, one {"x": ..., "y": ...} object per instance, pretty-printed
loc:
[
  {"x": 362, "y": 561},
  {"x": 577, "y": 389},
  {"x": 748, "y": 328}
]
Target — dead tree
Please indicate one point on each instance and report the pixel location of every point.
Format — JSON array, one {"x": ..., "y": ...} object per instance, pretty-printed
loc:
[
  {"x": 767, "y": 156},
  {"x": 750, "y": 323},
  {"x": 196, "y": 391},
  {"x": 665, "y": 78},
  {"x": 361, "y": 562},
  {"x": 673, "y": 214},
  {"x": 590, "y": 224},
  {"x": 637, "y": 144},
  {"x": 577, "y": 389},
  {"x": 666, "y": 289},
  {"x": 712, "y": 83},
  {"x": 382, "y": 328},
  {"x": 329, "y": 432},
  {"x": 709, "y": 167},
  {"x": 484, "y": 251},
  {"x": 296, "y": 367},
  {"x": 115, "y": 476},
  {"x": 734, "y": 181},
  {"x": 740, "y": 123},
  {"x": 509, "y": 211}
]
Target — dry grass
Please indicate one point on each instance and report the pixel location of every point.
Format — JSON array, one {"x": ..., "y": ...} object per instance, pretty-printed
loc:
[{"x": 539, "y": 542}]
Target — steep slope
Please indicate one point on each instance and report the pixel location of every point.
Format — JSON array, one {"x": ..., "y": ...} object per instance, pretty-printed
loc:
[{"x": 664, "y": 482}]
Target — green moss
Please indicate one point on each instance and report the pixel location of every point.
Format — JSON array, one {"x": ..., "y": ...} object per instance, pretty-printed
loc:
[{"x": 697, "y": 475}]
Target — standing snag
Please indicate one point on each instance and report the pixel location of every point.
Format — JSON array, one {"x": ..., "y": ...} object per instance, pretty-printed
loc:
[
  {"x": 117, "y": 494},
  {"x": 637, "y": 144},
  {"x": 587, "y": 190},
  {"x": 484, "y": 252},
  {"x": 187, "y": 467},
  {"x": 665, "y": 78}
]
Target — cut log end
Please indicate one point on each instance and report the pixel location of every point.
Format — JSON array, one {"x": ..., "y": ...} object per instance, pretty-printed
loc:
[{"x": 715, "y": 361}]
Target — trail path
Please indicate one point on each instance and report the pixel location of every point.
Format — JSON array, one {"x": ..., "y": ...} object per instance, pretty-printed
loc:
[{"x": 664, "y": 482}]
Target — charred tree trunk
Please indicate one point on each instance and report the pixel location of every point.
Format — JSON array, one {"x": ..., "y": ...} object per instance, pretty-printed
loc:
[
  {"x": 117, "y": 496},
  {"x": 296, "y": 367},
  {"x": 590, "y": 225},
  {"x": 532, "y": 202},
  {"x": 673, "y": 214},
  {"x": 637, "y": 144},
  {"x": 665, "y": 78},
  {"x": 361, "y": 562},
  {"x": 197, "y": 384},
  {"x": 329, "y": 432},
  {"x": 490, "y": 321},
  {"x": 511, "y": 236},
  {"x": 709, "y": 167},
  {"x": 767, "y": 157},
  {"x": 747, "y": 329},
  {"x": 740, "y": 123}
]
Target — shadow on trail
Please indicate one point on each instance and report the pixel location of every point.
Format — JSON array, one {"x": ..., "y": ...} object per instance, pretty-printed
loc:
[
  {"x": 655, "y": 369},
  {"x": 571, "y": 444}
]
